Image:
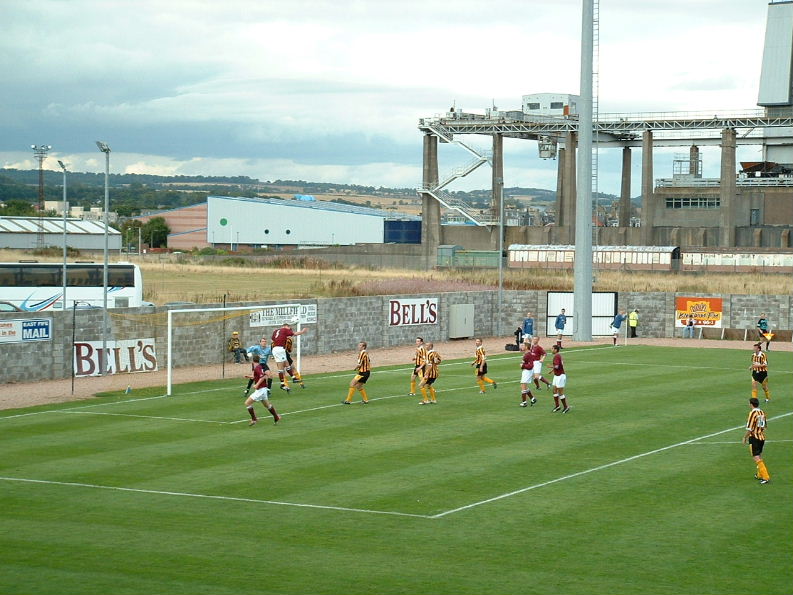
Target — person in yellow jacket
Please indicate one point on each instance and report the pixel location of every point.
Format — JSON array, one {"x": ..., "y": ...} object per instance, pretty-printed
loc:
[
  {"x": 633, "y": 322},
  {"x": 235, "y": 347}
]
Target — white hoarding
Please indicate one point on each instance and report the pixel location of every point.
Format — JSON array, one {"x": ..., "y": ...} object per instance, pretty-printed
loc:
[
  {"x": 405, "y": 312},
  {"x": 25, "y": 330},
  {"x": 133, "y": 355},
  {"x": 280, "y": 314}
]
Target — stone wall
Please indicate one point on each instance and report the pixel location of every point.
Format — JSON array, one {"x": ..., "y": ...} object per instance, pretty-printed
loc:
[{"x": 341, "y": 322}]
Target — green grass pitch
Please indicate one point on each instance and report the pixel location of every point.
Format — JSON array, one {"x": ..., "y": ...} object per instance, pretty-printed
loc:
[{"x": 643, "y": 487}]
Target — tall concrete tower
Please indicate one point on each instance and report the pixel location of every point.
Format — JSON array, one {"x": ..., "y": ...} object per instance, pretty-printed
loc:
[{"x": 776, "y": 78}]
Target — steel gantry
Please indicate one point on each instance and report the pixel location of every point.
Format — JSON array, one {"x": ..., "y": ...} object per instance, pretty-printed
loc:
[
  {"x": 619, "y": 129},
  {"x": 610, "y": 130}
]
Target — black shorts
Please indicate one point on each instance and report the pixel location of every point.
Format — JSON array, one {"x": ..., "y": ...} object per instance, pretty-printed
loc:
[
  {"x": 428, "y": 381},
  {"x": 418, "y": 370},
  {"x": 289, "y": 358},
  {"x": 362, "y": 377},
  {"x": 482, "y": 371},
  {"x": 759, "y": 376},
  {"x": 757, "y": 446}
]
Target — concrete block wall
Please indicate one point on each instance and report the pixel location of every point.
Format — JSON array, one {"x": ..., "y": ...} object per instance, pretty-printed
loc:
[
  {"x": 745, "y": 310},
  {"x": 354, "y": 320},
  {"x": 342, "y": 322},
  {"x": 656, "y": 312}
]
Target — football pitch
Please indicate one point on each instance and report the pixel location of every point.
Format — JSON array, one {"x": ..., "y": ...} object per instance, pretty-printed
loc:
[{"x": 644, "y": 487}]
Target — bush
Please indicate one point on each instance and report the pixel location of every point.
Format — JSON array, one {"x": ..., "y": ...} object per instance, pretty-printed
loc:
[
  {"x": 236, "y": 261},
  {"x": 55, "y": 251}
]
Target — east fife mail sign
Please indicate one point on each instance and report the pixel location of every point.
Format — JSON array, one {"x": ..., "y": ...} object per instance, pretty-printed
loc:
[{"x": 25, "y": 330}]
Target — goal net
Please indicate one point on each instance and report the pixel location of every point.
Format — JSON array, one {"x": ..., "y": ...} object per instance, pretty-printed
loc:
[
  {"x": 200, "y": 336},
  {"x": 194, "y": 336}
]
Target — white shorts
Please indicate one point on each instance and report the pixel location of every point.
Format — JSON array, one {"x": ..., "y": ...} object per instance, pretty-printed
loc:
[
  {"x": 279, "y": 354},
  {"x": 537, "y": 367},
  {"x": 559, "y": 381},
  {"x": 261, "y": 394},
  {"x": 526, "y": 376}
]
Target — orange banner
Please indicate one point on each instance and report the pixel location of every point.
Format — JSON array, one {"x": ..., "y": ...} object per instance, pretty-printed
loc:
[{"x": 706, "y": 311}]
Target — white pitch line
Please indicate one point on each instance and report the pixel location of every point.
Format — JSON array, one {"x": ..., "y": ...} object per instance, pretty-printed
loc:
[
  {"x": 80, "y": 407},
  {"x": 371, "y": 399},
  {"x": 736, "y": 370},
  {"x": 210, "y": 390},
  {"x": 592, "y": 470},
  {"x": 735, "y": 442},
  {"x": 211, "y": 497},
  {"x": 206, "y": 421}
]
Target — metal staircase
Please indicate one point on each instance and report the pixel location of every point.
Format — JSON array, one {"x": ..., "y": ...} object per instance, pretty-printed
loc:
[{"x": 480, "y": 217}]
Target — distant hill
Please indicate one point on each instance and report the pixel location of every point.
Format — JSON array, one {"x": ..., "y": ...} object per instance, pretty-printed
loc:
[
  {"x": 55, "y": 178},
  {"x": 133, "y": 193}
]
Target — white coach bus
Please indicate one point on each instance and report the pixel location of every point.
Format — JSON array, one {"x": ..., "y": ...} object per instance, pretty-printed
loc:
[{"x": 35, "y": 287}]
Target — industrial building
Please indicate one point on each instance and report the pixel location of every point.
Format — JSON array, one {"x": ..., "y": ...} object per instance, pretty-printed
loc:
[
  {"x": 29, "y": 233},
  {"x": 752, "y": 207},
  {"x": 78, "y": 212},
  {"x": 239, "y": 223}
]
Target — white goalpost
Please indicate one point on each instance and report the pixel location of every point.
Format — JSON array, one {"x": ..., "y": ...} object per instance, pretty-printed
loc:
[{"x": 260, "y": 316}]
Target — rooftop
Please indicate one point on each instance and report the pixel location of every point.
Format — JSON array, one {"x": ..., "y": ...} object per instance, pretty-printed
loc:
[
  {"x": 324, "y": 205},
  {"x": 53, "y": 225}
]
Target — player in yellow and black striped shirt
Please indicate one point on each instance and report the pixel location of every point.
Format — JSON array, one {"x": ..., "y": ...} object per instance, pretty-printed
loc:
[
  {"x": 363, "y": 370},
  {"x": 431, "y": 373},
  {"x": 291, "y": 368},
  {"x": 755, "y": 436},
  {"x": 759, "y": 370},
  {"x": 480, "y": 365},
  {"x": 418, "y": 364}
]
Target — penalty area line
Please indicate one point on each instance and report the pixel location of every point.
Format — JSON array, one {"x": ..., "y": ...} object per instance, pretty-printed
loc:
[
  {"x": 371, "y": 400},
  {"x": 210, "y": 497},
  {"x": 206, "y": 421},
  {"x": 734, "y": 442},
  {"x": 592, "y": 470}
]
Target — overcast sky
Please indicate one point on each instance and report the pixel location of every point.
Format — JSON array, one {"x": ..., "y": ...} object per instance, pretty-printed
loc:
[{"x": 332, "y": 91}]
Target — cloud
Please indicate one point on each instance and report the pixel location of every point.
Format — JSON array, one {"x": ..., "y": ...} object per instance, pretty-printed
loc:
[{"x": 337, "y": 88}]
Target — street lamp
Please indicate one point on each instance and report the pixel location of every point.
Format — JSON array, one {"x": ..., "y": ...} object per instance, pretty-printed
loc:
[
  {"x": 500, "y": 182},
  {"x": 106, "y": 150},
  {"x": 65, "y": 208},
  {"x": 40, "y": 152}
]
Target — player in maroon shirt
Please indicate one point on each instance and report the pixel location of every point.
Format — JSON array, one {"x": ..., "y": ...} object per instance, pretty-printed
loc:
[
  {"x": 261, "y": 394},
  {"x": 539, "y": 358},
  {"x": 526, "y": 374},
  {"x": 279, "y": 338},
  {"x": 559, "y": 381}
]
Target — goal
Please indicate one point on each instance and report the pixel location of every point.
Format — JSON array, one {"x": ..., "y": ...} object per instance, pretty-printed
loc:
[{"x": 185, "y": 342}]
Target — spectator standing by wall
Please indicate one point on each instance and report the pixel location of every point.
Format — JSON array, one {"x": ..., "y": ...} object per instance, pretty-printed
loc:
[
  {"x": 633, "y": 322},
  {"x": 561, "y": 321},
  {"x": 527, "y": 327},
  {"x": 615, "y": 325}
]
